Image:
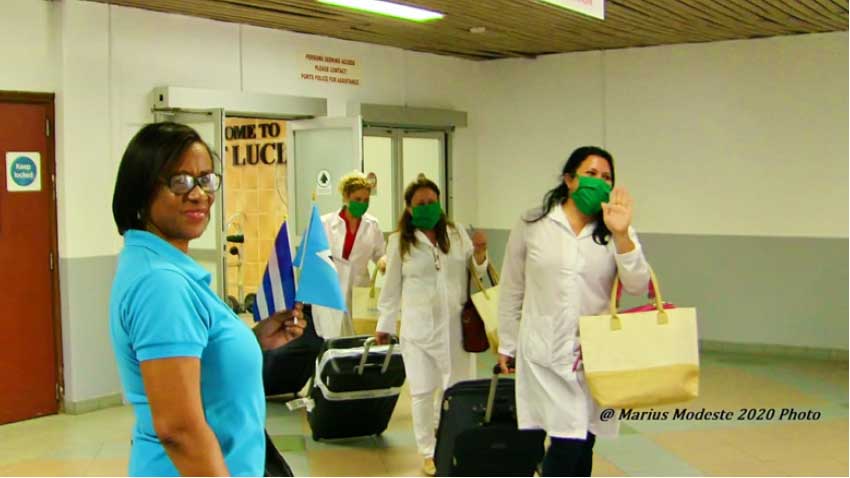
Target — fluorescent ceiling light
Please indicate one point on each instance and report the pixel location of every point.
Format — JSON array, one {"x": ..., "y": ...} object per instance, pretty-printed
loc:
[{"x": 387, "y": 8}]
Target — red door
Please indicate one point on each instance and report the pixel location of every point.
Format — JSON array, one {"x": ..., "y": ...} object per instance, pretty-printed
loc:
[{"x": 29, "y": 364}]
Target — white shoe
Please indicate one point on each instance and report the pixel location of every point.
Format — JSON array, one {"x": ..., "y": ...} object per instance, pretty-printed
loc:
[{"x": 429, "y": 468}]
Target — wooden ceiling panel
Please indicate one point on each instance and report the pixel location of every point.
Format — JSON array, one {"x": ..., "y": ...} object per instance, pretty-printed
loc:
[{"x": 527, "y": 28}]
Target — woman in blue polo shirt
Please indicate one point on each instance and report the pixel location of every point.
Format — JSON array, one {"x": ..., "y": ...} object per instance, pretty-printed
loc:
[{"x": 191, "y": 369}]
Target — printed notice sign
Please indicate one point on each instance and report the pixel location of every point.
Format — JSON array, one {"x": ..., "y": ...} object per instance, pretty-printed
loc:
[
  {"x": 338, "y": 70},
  {"x": 593, "y": 8},
  {"x": 23, "y": 172}
]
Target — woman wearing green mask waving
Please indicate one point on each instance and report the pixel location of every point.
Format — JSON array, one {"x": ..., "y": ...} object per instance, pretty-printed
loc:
[
  {"x": 426, "y": 282},
  {"x": 355, "y": 238},
  {"x": 560, "y": 263}
]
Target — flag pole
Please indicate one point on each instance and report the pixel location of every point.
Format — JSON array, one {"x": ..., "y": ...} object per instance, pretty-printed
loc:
[
  {"x": 307, "y": 232},
  {"x": 304, "y": 244}
]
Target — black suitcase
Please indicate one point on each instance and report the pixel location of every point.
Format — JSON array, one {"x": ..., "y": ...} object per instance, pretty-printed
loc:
[
  {"x": 355, "y": 387},
  {"x": 478, "y": 434}
]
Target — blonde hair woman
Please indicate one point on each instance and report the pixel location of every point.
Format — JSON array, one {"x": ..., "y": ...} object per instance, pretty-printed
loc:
[{"x": 355, "y": 238}]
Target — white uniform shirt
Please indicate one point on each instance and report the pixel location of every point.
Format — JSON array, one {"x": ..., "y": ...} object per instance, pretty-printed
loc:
[
  {"x": 352, "y": 272},
  {"x": 428, "y": 289},
  {"x": 550, "y": 278}
]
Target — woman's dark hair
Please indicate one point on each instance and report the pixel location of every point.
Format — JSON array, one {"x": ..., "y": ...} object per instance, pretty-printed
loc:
[
  {"x": 151, "y": 155},
  {"x": 406, "y": 229},
  {"x": 560, "y": 194}
]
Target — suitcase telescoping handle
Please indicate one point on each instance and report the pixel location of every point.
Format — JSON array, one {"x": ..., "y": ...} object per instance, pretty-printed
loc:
[
  {"x": 368, "y": 345},
  {"x": 491, "y": 395}
]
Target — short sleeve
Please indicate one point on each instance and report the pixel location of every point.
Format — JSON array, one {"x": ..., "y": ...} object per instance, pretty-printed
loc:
[{"x": 164, "y": 317}]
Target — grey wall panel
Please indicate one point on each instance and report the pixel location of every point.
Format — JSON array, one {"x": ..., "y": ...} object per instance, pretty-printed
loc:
[
  {"x": 761, "y": 290},
  {"x": 90, "y": 370}
]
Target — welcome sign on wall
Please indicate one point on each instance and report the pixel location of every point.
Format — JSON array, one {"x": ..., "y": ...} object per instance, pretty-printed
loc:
[{"x": 255, "y": 169}]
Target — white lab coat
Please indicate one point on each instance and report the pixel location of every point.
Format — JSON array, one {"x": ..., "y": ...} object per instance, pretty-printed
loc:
[
  {"x": 551, "y": 277},
  {"x": 352, "y": 272},
  {"x": 429, "y": 302}
]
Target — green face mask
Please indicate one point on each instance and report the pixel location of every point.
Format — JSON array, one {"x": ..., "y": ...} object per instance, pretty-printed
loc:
[
  {"x": 357, "y": 209},
  {"x": 590, "y": 195},
  {"x": 427, "y": 216}
]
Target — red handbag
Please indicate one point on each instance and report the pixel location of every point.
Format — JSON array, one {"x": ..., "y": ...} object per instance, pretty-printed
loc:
[{"x": 474, "y": 332}]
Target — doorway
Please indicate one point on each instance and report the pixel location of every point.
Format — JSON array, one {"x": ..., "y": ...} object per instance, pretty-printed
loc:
[
  {"x": 271, "y": 173},
  {"x": 30, "y": 330},
  {"x": 397, "y": 157}
]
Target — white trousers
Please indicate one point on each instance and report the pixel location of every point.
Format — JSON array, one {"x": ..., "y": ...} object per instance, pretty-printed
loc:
[{"x": 426, "y": 417}]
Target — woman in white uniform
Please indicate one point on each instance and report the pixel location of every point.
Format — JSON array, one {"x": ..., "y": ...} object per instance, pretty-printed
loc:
[
  {"x": 426, "y": 282},
  {"x": 355, "y": 238},
  {"x": 560, "y": 263}
]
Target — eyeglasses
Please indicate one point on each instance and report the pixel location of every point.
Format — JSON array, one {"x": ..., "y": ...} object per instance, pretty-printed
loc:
[{"x": 183, "y": 183}]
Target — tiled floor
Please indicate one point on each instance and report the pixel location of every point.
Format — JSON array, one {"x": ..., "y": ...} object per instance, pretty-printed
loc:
[{"x": 97, "y": 443}]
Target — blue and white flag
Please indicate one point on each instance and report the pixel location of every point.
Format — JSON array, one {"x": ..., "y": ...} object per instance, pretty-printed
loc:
[
  {"x": 277, "y": 292},
  {"x": 319, "y": 283}
]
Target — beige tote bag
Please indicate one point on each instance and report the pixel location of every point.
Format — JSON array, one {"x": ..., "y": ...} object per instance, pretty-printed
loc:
[
  {"x": 486, "y": 302},
  {"x": 641, "y": 359},
  {"x": 364, "y": 307}
]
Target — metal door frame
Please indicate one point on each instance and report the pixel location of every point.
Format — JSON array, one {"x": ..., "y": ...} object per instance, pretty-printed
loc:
[{"x": 397, "y": 135}]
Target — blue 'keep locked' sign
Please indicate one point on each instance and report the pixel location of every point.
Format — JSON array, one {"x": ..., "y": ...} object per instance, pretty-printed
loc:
[{"x": 23, "y": 171}]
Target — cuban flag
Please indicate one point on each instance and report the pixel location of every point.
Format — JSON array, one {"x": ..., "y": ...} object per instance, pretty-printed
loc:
[
  {"x": 318, "y": 283},
  {"x": 277, "y": 291}
]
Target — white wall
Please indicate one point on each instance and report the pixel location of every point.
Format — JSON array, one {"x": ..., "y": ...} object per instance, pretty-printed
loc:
[
  {"x": 531, "y": 115},
  {"x": 729, "y": 138},
  {"x": 734, "y": 138},
  {"x": 27, "y": 44},
  {"x": 85, "y": 168}
]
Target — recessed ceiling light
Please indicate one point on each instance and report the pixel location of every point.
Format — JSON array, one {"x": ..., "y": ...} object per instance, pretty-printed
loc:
[{"x": 387, "y": 9}]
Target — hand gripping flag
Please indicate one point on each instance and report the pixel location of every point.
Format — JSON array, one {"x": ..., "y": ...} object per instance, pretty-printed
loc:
[
  {"x": 319, "y": 283},
  {"x": 277, "y": 291}
]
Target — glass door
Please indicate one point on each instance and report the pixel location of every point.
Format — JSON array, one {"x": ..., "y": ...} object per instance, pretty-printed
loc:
[
  {"x": 320, "y": 152},
  {"x": 396, "y": 158},
  {"x": 424, "y": 154},
  {"x": 378, "y": 163}
]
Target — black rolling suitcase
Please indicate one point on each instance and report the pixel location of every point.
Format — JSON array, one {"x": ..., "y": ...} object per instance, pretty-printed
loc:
[
  {"x": 478, "y": 434},
  {"x": 355, "y": 387}
]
